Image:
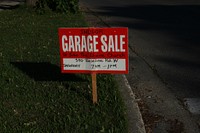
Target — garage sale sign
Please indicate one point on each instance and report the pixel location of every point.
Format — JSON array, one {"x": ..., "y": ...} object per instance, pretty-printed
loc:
[{"x": 94, "y": 50}]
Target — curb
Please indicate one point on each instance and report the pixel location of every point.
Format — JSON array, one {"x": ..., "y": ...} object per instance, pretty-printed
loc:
[{"x": 135, "y": 121}]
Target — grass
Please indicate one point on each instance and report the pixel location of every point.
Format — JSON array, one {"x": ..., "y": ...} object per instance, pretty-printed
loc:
[{"x": 34, "y": 95}]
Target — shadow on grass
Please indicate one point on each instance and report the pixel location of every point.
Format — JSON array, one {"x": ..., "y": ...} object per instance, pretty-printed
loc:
[{"x": 45, "y": 71}]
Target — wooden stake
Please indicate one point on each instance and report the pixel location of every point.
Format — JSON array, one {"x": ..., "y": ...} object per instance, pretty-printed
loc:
[{"x": 94, "y": 88}]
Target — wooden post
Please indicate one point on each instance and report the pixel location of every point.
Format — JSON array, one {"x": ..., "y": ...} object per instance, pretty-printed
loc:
[{"x": 94, "y": 88}]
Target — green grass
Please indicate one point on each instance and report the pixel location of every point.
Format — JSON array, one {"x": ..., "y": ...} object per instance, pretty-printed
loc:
[{"x": 34, "y": 95}]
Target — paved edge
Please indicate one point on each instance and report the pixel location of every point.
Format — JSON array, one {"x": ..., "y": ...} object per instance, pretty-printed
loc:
[
  {"x": 8, "y": 4},
  {"x": 133, "y": 114},
  {"x": 135, "y": 121}
]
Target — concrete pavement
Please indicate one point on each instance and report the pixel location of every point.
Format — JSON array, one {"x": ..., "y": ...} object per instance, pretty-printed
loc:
[{"x": 10, "y": 4}]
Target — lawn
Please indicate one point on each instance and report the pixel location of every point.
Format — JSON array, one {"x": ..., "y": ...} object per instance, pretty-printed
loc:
[{"x": 34, "y": 95}]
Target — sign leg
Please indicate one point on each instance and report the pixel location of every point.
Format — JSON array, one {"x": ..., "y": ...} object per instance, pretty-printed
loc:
[{"x": 94, "y": 88}]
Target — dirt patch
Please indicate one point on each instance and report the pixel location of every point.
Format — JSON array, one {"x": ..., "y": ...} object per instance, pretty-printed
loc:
[
  {"x": 154, "y": 122},
  {"x": 175, "y": 126},
  {"x": 150, "y": 119}
]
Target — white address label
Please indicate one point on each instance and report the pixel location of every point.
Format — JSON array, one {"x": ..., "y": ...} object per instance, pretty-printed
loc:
[{"x": 94, "y": 64}]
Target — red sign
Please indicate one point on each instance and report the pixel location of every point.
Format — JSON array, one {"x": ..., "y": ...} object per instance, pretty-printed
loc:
[{"x": 99, "y": 50}]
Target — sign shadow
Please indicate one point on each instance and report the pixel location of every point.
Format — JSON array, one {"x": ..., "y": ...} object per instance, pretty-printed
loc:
[{"x": 45, "y": 71}]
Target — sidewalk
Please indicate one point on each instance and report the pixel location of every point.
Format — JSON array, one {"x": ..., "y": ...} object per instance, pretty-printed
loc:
[{"x": 10, "y": 4}]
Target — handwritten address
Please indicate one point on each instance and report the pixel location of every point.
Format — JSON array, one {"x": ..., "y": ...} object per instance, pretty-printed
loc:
[{"x": 93, "y": 64}]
